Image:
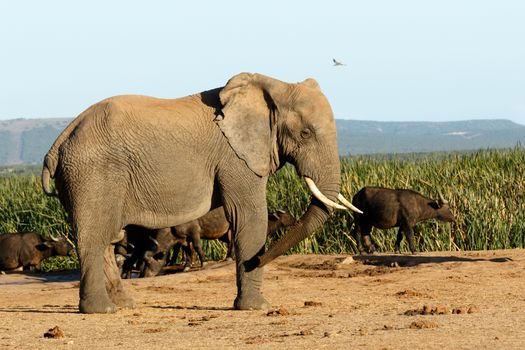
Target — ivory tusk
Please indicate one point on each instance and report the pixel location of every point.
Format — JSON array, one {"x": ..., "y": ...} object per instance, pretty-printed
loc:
[
  {"x": 347, "y": 204},
  {"x": 319, "y": 195}
]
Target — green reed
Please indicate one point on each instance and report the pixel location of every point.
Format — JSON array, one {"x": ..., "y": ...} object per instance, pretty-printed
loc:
[{"x": 485, "y": 189}]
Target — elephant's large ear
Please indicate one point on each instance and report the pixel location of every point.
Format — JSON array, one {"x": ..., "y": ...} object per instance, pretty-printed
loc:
[{"x": 247, "y": 119}]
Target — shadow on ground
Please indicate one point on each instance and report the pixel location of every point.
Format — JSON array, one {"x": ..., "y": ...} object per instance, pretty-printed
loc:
[
  {"x": 13, "y": 278},
  {"x": 414, "y": 260}
]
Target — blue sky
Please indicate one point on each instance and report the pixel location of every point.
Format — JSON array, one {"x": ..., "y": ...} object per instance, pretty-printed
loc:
[{"x": 406, "y": 60}]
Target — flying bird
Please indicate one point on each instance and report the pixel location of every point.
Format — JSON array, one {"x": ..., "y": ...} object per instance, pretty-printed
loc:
[{"x": 338, "y": 63}]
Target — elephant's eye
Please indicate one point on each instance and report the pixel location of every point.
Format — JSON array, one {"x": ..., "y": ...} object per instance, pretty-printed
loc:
[{"x": 306, "y": 133}]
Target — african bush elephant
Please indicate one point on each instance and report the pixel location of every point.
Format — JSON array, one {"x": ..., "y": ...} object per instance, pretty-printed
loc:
[{"x": 163, "y": 162}]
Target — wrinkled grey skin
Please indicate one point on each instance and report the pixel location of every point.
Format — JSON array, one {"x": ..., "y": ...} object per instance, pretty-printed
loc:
[
  {"x": 213, "y": 225},
  {"x": 163, "y": 162},
  {"x": 29, "y": 249},
  {"x": 386, "y": 208}
]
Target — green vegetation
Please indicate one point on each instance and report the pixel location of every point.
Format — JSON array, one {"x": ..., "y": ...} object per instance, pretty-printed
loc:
[{"x": 486, "y": 190}]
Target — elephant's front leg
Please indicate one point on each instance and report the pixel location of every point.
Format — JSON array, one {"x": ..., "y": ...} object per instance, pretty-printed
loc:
[
  {"x": 249, "y": 242},
  {"x": 245, "y": 206},
  {"x": 244, "y": 200}
]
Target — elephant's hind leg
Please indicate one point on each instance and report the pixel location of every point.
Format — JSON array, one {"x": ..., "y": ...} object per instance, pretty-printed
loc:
[
  {"x": 114, "y": 286},
  {"x": 93, "y": 295},
  {"x": 93, "y": 240}
]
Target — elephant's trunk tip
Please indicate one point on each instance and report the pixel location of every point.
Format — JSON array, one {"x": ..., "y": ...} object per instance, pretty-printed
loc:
[{"x": 263, "y": 260}]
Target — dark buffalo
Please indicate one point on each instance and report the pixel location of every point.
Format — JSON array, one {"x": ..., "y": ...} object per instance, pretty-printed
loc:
[
  {"x": 386, "y": 208},
  {"x": 280, "y": 218},
  {"x": 28, "y": 249},
  {"x": 213, "y": 225},
  {"x": 139, "y": 242}
]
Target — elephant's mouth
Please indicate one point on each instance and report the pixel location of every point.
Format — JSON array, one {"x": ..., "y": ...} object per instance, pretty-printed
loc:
[{"x": 328, "y": 202}]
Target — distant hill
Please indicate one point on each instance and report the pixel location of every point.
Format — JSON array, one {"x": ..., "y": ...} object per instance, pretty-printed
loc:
[
  {"x": 25, "y": 141},
  {"x": 369, "y": 137}
]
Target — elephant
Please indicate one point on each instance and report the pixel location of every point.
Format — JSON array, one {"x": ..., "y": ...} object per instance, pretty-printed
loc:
[{"x": 139, "y": 160}]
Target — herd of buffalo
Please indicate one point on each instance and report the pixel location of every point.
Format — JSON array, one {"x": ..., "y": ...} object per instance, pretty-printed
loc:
[{"x": 148, "y": 251}]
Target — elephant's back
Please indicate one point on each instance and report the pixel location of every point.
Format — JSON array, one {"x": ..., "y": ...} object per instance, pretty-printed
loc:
[{"x": 141, "y": 123}]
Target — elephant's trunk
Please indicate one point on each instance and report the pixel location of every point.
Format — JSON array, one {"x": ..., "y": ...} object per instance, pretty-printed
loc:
[{"x": 314, "y": 217}]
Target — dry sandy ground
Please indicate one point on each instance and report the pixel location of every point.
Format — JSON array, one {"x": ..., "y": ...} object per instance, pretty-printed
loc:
[{"x": 374, "y": 302}]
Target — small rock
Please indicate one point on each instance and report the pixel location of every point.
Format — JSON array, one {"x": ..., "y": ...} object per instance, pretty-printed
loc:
[
  {"x": 347, "y": 261},
  {"x": 421, "y": 324},
  {"x": 427, "y": 310},
  {"x": 409, "y": 293},
  {"x": 312, "y": 303},
  {"x": 441, "y": 310},
  {"x": 473, "y": 309},
  {"x": 460, "y": 310},
  {"x": 363, "y": 331},
  {"x": 155, "y": 330},
  {"x": 279, "y": 312},
  {"x": 413, "y": 312},
  {"x": 306, "y": 332},
  {"x": 55, "y": 333}
]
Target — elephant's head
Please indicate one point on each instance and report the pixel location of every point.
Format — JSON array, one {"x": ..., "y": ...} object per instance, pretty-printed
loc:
[{"x": 269, "y": 122}]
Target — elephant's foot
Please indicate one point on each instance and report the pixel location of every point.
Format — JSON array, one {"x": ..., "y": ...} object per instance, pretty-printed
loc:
[
  {"x": 122, "y": 299},
  {"x": 251, "y": 301},
  {"x": 99, "y": 304}
]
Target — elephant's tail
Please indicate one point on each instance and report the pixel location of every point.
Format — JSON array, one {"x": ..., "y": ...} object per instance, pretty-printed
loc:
[
  {"x": 48, "y": 172},
  {"x": 51, "y": 159}
]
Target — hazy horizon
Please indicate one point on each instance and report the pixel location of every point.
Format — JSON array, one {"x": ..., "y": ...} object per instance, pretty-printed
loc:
[{"x": 405, "y": 60}]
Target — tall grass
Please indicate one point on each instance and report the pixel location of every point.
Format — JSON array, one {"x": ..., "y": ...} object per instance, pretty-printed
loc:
[{"x": 486, "y": 191}]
